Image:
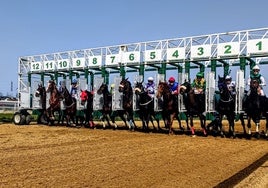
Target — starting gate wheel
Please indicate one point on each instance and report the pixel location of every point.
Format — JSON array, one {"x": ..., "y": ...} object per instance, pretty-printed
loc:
[
  {"x": 19, "y": 119},
  {"x": 28, "y": 119}
]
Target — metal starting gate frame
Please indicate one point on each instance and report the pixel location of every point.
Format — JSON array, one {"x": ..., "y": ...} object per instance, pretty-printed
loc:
[{"x": 247, "y": 47}]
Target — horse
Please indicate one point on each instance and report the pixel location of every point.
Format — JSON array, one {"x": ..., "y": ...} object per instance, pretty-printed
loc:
[
  {"x": 70, "y": 106},
  {"x": 146, "y": 107},
  {"x": 195, "y": 105},
  {"x": 86, "y": 100},
  {"x": 127, "y": 112},
  {"x": 107, "y": 105},
  {"x": 254, "y": 105},
  {"x": 54, "y": 101},
  {"x": 170, "y": 106},
  {"x": 225, "y": 106}
]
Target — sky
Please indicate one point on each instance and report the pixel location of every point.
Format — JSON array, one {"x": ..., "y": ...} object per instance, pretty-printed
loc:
[{"x": 32, "y": 27}]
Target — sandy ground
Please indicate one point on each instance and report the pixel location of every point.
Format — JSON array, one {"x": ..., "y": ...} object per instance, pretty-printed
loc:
[{"x": 43, "y": 156}]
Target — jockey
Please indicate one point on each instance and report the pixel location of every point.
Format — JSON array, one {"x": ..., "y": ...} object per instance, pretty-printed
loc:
[
  {"x": 150, "y": 87},
  {"x": 199, "y": 83},
  {"x": 173, "y": 85},
  {"x": 74, "y": 88},
  {"x": 256, "y": 75},
  {"x": 230, "y": 84}
]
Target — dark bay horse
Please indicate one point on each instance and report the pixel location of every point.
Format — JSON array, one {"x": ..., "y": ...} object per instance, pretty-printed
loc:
[
  {"x": 107, "y": 106},
  {"x": 127, "y": 113},
  {"x": 170, "y": 107},
  {"x": 86, "y": 100},
  {"x": 195, "y": 105},
  {"x": 54, "y": 101},
  {"x": 254, "y": 105},
  {"x": 70, "y": 106},
  {"x": 225, "y": 106},
  {"x": 146, "y": 107}
]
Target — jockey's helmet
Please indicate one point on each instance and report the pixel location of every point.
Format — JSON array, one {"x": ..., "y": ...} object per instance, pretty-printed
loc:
[
  {"x": 112, "y": 86},
  {"x": 151, "y": 79},
  {"x": 228, "y": 77},
  {"x": 171, "y": 79},
  {"x": 74, "y": 81},
  {"x": 256, "y": 67},
  {"x": 200, "y": 75}
]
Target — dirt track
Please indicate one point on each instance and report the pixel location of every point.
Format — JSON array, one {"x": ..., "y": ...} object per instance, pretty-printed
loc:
[{"x": 42, "y": 156}]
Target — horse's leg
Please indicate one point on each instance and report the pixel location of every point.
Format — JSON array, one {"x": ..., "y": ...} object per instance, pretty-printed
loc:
[
  {"x": 192, "y": 126},
  {"x": 231, "y": 118},
  {"x": 203, "y": 124},
  {"x": 179, "y": 121},
  {"x": 249, "y": 126},
  {"x": 112, "y": 116},
  {"x": 241, "y": 118},
  {"x": 172, "y": 117}
]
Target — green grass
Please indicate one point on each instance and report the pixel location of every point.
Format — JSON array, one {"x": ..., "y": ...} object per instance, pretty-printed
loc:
[{"x": 6, "y": 117}]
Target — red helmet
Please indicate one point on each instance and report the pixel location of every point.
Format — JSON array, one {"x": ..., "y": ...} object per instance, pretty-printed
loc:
[{"x": 171, "y": 79}]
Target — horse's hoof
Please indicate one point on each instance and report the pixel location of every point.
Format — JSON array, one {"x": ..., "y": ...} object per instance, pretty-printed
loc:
[
  {"x": 193, "y": 135},
  {"x": 258, "y": 135}
]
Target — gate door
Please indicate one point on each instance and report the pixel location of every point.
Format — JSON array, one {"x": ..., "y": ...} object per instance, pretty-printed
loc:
[
  {"x": 37, "y": 102},
  {"x": 158, "y": 104},
  {"x": 82, "y": 86},
  {"x": 137, "y": 79},
  {"x": 210, "y": 92},
  {"x": 240, "y": 88},
  {"x": 97, "y": 99},
  {"x": 117, "y": 97},
  {"x": 183, "y": 77}
]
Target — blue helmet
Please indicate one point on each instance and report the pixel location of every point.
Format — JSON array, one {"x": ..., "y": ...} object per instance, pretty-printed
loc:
[{"x": 74, "y": 81}]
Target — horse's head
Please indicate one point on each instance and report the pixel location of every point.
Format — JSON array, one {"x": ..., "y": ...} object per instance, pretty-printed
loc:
[
  {"x": 139, "y": 88},
  {"x": 51, "y": 85},
  {"x": 125, "y": 86},
  {"x": 40, "y": 90},
  {"x": 162, "y": 88},
  {"x": 185, "y": 88},
  {"x": 222, "y": 85},
  {"x": 102, "y": 89},
  {"x": 254, "y": 84}
]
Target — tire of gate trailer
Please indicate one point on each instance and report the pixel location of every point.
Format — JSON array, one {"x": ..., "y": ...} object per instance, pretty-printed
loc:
[
  {"x": 28, "y": 119},
  {"x": 43, "y": 119},
  {"x": 19, "y": 119}
]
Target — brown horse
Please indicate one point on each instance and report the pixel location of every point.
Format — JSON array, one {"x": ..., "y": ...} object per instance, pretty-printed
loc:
[
  {"x": 170, "y": 107},
  {"x": 70, "y": 106},
  {"x": 195, "y": 105},
  {"x": 54, "y": 101},
  {"x": 254, "y": 105},
  {"x": 127, "y": 112}
]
